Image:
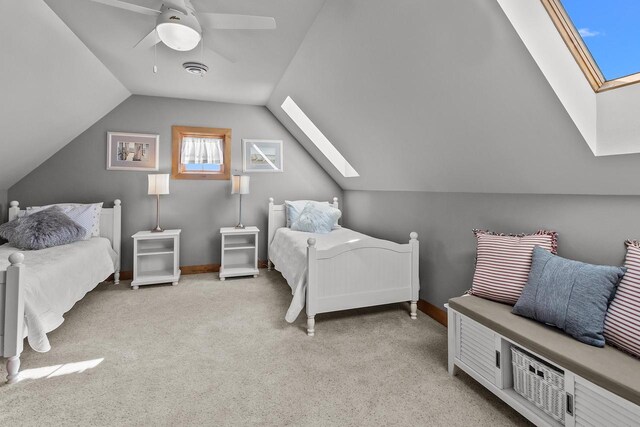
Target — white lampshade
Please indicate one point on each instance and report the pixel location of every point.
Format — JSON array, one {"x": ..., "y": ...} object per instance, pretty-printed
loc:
[
  {"x": 240, "y": 184},
  {"x": 159, "y": 183}
]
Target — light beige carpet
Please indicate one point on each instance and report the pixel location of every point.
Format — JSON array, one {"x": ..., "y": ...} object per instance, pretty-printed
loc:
[{"x": 207, "y": 352}]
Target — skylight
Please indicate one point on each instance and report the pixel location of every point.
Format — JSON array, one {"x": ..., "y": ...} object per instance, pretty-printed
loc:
[
  {"x": 317, "y": 137},
  {"x": 603, "y": 36},
  {"x": 611, "y": 32}
]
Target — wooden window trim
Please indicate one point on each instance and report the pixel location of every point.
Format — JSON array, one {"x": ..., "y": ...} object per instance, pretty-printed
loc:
[
  {"x": 580, "y": 52},
  {"x": 179, "y": 132}
]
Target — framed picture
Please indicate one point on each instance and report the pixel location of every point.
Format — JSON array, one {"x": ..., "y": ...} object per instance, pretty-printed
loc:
[
  {"x": 132, "y": 151},
  {"x": 261, "y": 155}
]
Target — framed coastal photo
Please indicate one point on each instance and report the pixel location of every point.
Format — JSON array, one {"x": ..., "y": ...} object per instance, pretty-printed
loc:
[
  {"x": 262, "y": 155},
  {"x": 132, "y": 151}
]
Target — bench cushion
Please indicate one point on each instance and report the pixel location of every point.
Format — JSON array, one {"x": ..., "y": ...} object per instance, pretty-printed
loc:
[{"x": 607, "y": 367}]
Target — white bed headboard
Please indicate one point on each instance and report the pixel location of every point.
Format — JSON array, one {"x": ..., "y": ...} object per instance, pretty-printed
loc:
[
  {"x": 278, "y": 218},
  {"x": 110, "y": 224}
]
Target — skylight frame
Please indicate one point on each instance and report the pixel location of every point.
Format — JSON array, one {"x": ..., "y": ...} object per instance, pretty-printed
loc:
[
  {"x": 318, "y": 139},
  {"x": 580, "y": 52}
]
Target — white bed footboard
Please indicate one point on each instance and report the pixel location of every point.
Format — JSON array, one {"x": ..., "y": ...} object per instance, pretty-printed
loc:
[{"x": 363, "y": 273}]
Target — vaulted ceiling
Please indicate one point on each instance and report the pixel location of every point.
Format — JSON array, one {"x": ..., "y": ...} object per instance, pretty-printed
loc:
[
  {"x": 421, "y": 95},
  {"x": 261, "y": 56}
]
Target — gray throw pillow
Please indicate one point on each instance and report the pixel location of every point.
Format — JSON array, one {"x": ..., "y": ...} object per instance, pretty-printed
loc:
[
  {"x": 8, "y": 229},
  {"x": 45, "y": 229},
  {"x": 570, "y": 295}
]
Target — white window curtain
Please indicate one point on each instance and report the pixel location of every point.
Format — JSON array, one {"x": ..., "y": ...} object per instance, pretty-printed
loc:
[{"x": 201, "y": 150}]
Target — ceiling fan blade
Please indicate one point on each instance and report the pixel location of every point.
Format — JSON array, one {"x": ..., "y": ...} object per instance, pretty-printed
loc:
[
  {"x": 129, "y": 6},
  {"x": 149, "y": 40},
  {"x": 225, "y": 21}
]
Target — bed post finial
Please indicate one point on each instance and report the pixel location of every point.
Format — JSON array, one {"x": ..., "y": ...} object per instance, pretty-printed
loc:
[
  {"x": 413, "y": 235},
  {"x": 270, "y": 200},
  {"x": 117, "y": 202},
  {"x": 14, "y": 204},
  {"x": 311, "y": 242},
  {"x": 16, "y": 258},
  {"x": 335, "y": 200}
]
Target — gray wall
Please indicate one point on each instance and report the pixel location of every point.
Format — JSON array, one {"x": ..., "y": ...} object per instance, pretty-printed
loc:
[
  {"x": 591, "y": 228},
  {"x": 77, "y": 173},
  {"x": 433, "y": 95}
]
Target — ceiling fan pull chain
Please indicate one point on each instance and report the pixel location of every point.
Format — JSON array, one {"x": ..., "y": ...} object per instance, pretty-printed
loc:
[
  {"x": 202, "y": 53},
  {"x": 155, "y": 58}
]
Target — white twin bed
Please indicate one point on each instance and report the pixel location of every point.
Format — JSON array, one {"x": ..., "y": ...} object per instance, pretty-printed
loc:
[
  {"x": 38, "y": 287},
  {"x": 341, "y": 270}
]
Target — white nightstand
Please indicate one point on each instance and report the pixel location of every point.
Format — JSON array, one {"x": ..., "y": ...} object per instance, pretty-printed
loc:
[
  {"x": 239, "y": 252},
  {"x": 156, "y": 258}
]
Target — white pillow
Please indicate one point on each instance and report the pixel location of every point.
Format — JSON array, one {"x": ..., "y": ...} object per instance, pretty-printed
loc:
[
  {"x": 88, "y": 216},
  {"x": 316, "y": 218},
  {"x": 294, "y": 208}
]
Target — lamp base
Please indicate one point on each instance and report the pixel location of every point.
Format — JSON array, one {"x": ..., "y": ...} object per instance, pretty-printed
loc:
[
  {"x": 157, "y": 230},
  {"x": 239, "y": 226}
]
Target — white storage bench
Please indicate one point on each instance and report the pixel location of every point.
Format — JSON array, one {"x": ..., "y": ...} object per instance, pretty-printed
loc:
[{"x": 601, "y": 385}]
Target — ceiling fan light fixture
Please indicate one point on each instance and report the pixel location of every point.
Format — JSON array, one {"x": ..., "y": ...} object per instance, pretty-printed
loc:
[{"x": 178, "y": 36}]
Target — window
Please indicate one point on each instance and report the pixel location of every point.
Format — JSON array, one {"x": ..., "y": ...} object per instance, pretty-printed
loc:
[
  {"x": 201, "y": 153},
  {"x": 317, "y": 137},
  {"x": 603, "y": 37}
]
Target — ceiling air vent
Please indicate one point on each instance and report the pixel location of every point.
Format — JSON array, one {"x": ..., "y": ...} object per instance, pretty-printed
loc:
[{"x": 195, "y": 68}]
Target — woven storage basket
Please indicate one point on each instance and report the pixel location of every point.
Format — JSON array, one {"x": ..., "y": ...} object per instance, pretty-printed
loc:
[{"x": 539, "y": 383}]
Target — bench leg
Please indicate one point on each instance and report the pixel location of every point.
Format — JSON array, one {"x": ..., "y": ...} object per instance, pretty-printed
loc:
[
  {"x": 311, "y": 325},
  {"x": 13, "y": 366},
  {"x": 451, "y": 339},
  {"x": 414, "y": 310},
  {"x": 116, "y": 277}
]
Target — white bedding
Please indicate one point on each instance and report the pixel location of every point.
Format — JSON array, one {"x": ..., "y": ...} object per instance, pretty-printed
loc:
[
  {"x": 55, "y": 279},
  {"x": 288, "y": 252}
]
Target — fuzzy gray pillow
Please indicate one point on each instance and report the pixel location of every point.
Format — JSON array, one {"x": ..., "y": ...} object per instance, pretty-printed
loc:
[
  {"x": 8, "y": 229},
  {"x": 45, "y": 229}
]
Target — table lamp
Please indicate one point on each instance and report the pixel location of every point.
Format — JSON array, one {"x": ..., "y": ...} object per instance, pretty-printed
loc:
[
  {"x": 158, "y": 184},
  {"x": 240, "y": 185}
]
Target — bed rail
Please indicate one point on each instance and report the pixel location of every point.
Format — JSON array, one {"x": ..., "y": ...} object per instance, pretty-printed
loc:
[{"x": 12, "y": 314}]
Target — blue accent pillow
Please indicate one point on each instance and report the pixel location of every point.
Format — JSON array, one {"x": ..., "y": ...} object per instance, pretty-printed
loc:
[
  {"x": 316, "y": 218},
  {"x": 295, "y": 208},
  {"x": 570, "y": 295},
  {"x": 45, "y": 229}
]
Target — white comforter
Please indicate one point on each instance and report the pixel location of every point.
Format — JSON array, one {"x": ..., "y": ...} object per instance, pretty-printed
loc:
[
  {"x": 288, "y": 252},
  {"x": 55, "y": 279}
]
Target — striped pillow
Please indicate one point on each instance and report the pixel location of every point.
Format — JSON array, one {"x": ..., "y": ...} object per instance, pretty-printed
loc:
[
  {"x": 503, "y": 262},
  {"x": 622, "y": 324}
]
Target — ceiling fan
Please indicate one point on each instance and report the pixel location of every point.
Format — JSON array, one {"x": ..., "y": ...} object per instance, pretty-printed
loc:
[{"x": 179, "y": 26}]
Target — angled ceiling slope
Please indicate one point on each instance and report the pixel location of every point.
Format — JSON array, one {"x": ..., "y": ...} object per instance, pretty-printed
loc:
[
  {"x": 53, "y": 88},
  {"x": 607, "y": 120},
  {"x": 442, "y": 96},
  {"x": 261, "y": 56}
]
